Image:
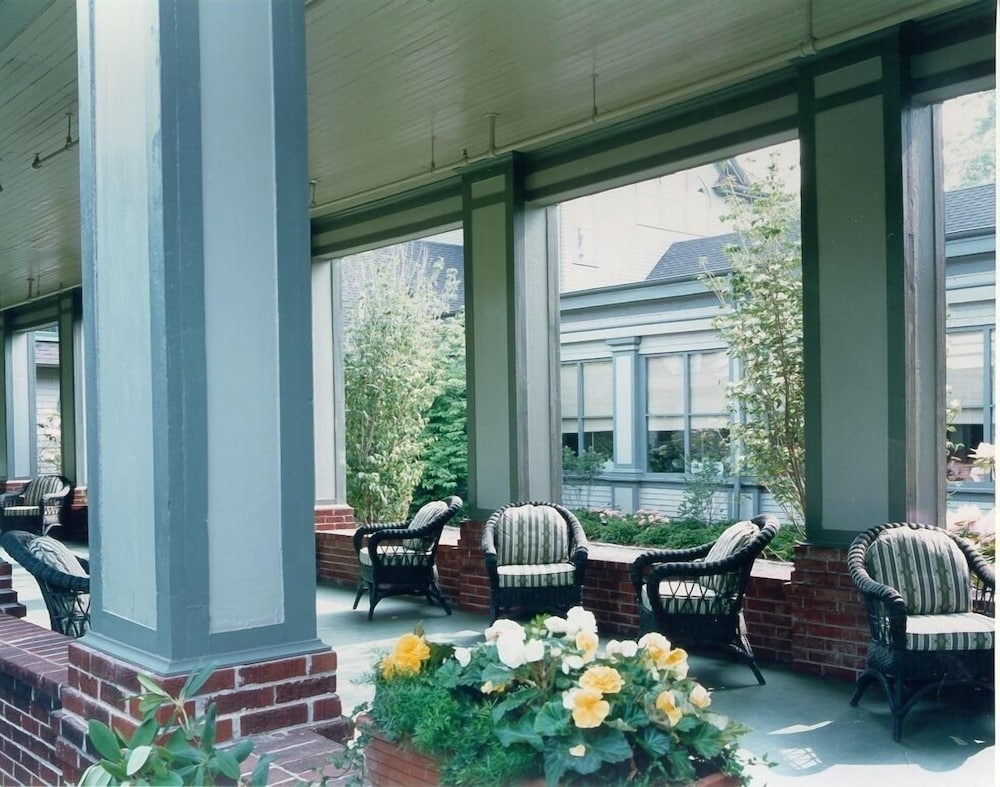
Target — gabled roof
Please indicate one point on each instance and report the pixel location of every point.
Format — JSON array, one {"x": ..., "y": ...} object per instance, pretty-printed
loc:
[
  {"x": 966, "y": 211},
  {"x": 970, "y": 210}
]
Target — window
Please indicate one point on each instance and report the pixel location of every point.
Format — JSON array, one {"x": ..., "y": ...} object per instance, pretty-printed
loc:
[
  {"x": 686, "y": 415},
  {"x": 971, "y": 398},
  {"x": 587, "y": 419}
]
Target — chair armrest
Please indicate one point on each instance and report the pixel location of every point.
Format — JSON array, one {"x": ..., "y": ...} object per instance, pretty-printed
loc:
[
  {"x": 638, "y": 569},
  {"x": 9, "y": 498},
  {"x": 55, "y": 498},
  {"x": 367, "y": 530}
]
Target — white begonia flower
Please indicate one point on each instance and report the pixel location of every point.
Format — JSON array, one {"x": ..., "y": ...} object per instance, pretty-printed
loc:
[
  {"x": 555, "y": 652},
  {"x": 556, "y": 625},
  {"x": 578, "y": 751},
  {"x": 463, "y": 656},
  {"x": 613, "y": 648},
  {"x": 534, "y": 650},
  {"x": 570, "y": 663},
  {"x": 579, "y": 619},
  {"x": 504, "y": 626},
  {"x": 629, "y": 648},
  {"x": 510, "y": 650}
]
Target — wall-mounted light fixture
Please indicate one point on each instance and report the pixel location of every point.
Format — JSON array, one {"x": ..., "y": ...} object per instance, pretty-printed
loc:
[{"x": 71, "y": 143}]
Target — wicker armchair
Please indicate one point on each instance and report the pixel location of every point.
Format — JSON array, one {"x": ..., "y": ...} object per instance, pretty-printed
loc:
[
  {"x": 929, "y": 596},
  {"x": 397, "y": 558},
  {"x": 64, "y": 578},
  {"x": 536, "y": 558},
  {"x": 694, "y": 596},
  {"x": 38, "y": 506}
]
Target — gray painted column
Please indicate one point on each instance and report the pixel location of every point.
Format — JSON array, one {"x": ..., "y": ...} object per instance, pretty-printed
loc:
[
  {"x": 512, "y": 342},
  {"x": 197, "y": 283},
  {"x": 80, "y": 406},
  {"x": 873, "y": 319},
  {"x": 328, "y": 383},
  {"x": 20, "y": 398},
  {"x": 67, "y": 385}
]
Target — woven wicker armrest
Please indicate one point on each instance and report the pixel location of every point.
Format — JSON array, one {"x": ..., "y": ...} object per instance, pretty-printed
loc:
[
  {"x": 367, "y": 530},
  {"x": 10, "y": 499},
  {"x": 637, "y": 571}
]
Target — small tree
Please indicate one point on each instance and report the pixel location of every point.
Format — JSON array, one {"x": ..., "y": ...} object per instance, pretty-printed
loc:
[
  {"x": 446, "y": 446},
  {"x": 581, "y": 470},
  {"x": 762, "y": 324},
  {"x": 700, "y": 486},
  {"x": 392, "y": 336}
]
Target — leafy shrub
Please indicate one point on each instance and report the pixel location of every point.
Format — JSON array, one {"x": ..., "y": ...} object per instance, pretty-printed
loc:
[{"x": 650, "y": 529}]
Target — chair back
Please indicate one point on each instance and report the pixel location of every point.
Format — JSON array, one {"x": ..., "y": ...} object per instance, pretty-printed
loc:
[
  {"x": 531, "y": 534},
  {"x": 926, "y": 567},
  {"x": 36, "y": 489},
  {"x": 731, "y": 541},
  {"x": 427, "y": 514}
]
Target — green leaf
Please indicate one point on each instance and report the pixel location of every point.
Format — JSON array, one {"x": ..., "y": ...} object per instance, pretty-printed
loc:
[
  {"x": 151, "y": 686},
  {"x": 227, "y": 764},
  {"x": 513, "y": 701},
  {"x": 553, "y": 719},
  {"x": 610, "y": 745},
  {"x": 242, "y": 749},
  {"x": 258, "y": 778},
  {"x": 655, "y": 741},
  {"x": 145, "y": 733},
  {"x": 137, "y": 759},
  {"x": 521, "y": 731},
  {"x": 96, "y": 776},
  {"x": 104, "y": 740},
  {"x": 150, "y": 703},
  {"x": 195, "y": 681},
  {"x": 208, "y": 735},
  {"x": 116, "y": 769},
  {"x": 171, "y": 779}
]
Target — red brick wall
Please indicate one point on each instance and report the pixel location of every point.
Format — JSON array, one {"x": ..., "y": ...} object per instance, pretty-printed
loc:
[
  {"x": 32, "y": 669},
  {"x": 8, "y": 596},
  {"x": 608, "y": 590},
  {"x": 333, "y": 517},
  {"x": 829, "y": 632}
]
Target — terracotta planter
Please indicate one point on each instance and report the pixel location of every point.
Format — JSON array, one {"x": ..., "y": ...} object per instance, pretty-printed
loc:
[{"x": 389, "y": 764}]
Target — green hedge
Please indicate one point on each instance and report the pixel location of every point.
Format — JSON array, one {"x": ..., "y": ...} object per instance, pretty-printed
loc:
[{"x": 649, "y": 529}]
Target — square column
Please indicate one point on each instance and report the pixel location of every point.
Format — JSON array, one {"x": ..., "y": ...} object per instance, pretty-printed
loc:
[
  {"x": 197, "y": 290},
  {"x": 873, "y": 297},
  {"x": 512, "y": 342}
]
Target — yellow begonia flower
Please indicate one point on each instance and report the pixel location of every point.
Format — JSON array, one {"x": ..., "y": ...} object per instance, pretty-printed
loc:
[
  {"x": 666, "y": 704},
  {"x": 410, "y": 652},
  {"x": 588, "y": 642},
  {"x": 589, "y": 708},
  {"x": 606, "y": 680},
  {"x": 657, "y": 649},
  {"x": 700, "y": 696},
  {"x": 676, "y": 662}
]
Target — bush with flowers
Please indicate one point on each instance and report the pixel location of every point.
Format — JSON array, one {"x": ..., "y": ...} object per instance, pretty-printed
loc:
[
  {"x": 543, "y": 700},
  {"x": 969, "y": 521}
]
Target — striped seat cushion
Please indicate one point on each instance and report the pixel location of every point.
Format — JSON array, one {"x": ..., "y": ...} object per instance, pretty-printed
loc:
[
  {"x": 41, "y": 486},
  {"x": 950, "y": 631},
  {"x": 397, "y": 556},
  {"x": 539, "y": 575},
  {"x": 27, "y": 510},
  {"x": 531, "y": 535},
  {"x": 925, "y": 566}
]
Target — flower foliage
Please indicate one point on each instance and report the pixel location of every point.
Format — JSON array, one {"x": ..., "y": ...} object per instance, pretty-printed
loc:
[
  {"x": 969, "y": 521},
  {"x": 542, "y": 699},
  {"x": 762, "y": 325}
]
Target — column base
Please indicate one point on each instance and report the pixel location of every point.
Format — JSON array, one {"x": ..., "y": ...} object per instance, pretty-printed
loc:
[
  {"x": 333, "y": 516},
  {"x": 285, "y": 694}
]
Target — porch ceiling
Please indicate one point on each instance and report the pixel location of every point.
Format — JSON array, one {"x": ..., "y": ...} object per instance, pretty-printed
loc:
[{"x": 400, "y": 91}]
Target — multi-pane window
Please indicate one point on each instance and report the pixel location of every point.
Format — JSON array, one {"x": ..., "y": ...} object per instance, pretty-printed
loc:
[
  {"x": 969, "y": 356},
  {"x": 686, "y": 415},
  {"x": 587, "y": 420}
]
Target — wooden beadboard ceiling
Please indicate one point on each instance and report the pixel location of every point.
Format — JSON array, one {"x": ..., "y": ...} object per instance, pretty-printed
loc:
[{"x": 386, "y": 77}]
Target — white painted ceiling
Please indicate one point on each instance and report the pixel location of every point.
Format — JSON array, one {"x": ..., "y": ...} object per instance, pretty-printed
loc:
[{"x": 401, "y": 91}]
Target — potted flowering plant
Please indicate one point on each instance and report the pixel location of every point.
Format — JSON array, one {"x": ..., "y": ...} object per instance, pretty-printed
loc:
[{"x": 542, "y": 701}]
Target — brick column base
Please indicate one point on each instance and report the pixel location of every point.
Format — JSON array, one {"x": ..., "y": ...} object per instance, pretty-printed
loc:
[
  {"x": 8, "y": 596},
  {"x": 292, "y": 693},
  {"x": 829, "y": 623}
]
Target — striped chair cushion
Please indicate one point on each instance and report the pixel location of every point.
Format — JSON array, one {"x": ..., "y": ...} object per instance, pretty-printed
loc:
[
  {"x": 56, "y": 554},
  {"x": 397, "y": 556},
  {"x": 24, "y": 510},
  {"x": 427, "y": 514},
  {"x": 41, "y": 486},
  {"x": 925, "y": 566},
  {"x": 950, "y": 631},
  {"x": 545, "y": 575},
  {"x": 732, "y": 540},
  {"x": 531, "y": 535}
]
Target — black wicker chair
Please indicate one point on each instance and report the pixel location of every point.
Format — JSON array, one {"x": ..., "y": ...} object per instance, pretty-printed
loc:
[
  {"x": 38, "y": 506},
  {"x": 67, "y": 595},
  {"x": 536, "y": 558},
  {"x": 397, "y": 558},
  {"x": 929, "y": 596},
  {"x": 694, "y": 596}
]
